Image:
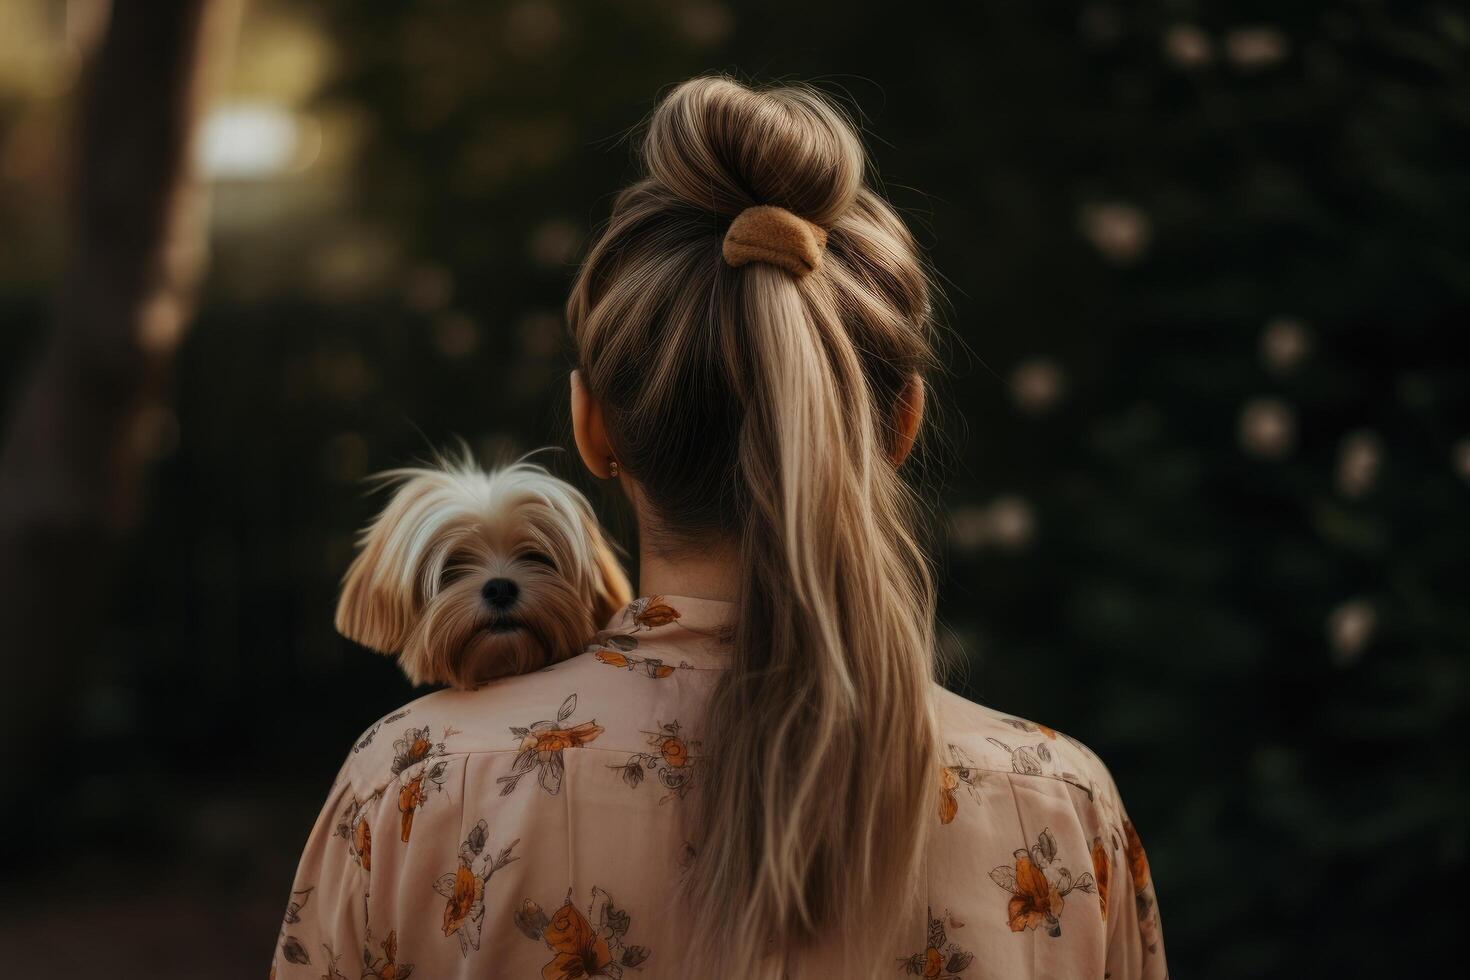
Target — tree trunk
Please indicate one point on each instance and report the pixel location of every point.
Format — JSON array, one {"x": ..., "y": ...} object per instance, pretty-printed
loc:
[{"x": 75, "y": 449}]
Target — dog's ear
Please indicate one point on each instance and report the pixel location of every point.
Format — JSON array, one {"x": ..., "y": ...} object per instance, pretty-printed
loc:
[
  {"x": 381, "y": 593},
  {"x": 611, "y": 590}
]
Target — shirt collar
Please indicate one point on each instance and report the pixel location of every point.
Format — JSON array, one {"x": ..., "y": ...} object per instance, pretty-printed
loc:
[{"x": 684, "y": 620}]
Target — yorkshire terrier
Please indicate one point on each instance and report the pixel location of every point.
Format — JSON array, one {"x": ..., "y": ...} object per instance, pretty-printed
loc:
[{"x": 469, "y": 575}]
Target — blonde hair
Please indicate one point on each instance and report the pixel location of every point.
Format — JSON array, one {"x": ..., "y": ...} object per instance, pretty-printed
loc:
[{"x": 759, "y": 406}]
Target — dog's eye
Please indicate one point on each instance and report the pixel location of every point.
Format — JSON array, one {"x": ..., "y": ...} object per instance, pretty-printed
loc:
[
  {"x": 457, "y": 567},
  {"x": 537, "y": 558}
]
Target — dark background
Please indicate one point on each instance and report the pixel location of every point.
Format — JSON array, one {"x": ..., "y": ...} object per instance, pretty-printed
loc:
[{"x": 1202, "y": 479}]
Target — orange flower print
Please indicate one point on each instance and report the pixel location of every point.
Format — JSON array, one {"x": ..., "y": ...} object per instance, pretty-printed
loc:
[
  {"x": 650, "y": 666},
  {"x": 649, "y": 612},
  {"x": 464, "y": 888},
  {"x": 1137, "y": 859},
  {"x": 652, "y": 612},
  {"x": 959, "y": 770},
  {"x": 675, "y": 752},
  {"x": 949, "y": 804},
  {"x": 671, "y": 761},
  {"x": 362, "y": 842},
  {"x": 941, "y": 959},
  {"x": 579, "y": 950},
  {"x": 387, "y": 966},
  {"x": 1034, "y": 899},
  {"x": 415, "y": 746},
  {"x": 561, "y": 739},
  {"x": 1037, "y": 897},
  {"x": 466, "y": 894},
  {"x": 1143, "y": 888},
  {"x": 542, "y": 748},
  {"x": 353, "y": 827},
  {"x": 1102, "y": 869},
  {"x": 410, "y": 797}
]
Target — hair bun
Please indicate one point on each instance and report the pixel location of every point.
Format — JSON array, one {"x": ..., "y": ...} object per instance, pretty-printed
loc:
[{"x": 722, "y": 146}]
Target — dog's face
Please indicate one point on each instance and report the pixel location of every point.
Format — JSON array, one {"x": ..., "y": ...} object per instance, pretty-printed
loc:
[{"x": 468, "y": 575}]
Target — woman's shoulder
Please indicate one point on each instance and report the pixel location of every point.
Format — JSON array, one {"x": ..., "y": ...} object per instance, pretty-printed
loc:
[
  {"x": 1030, "y": 817},
  {"x": 592, "y": 698},
  {"x": 984, "y": 739}
]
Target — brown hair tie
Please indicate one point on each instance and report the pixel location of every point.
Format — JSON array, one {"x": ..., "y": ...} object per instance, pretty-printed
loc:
[{"x": 775, "y": 236}]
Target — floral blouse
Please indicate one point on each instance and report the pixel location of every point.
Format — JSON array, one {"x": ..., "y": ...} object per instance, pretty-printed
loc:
[{"x": 530, "y": 828}]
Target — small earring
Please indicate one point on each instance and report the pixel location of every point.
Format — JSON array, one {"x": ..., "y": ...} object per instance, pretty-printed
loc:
[{"x": 612, "y": 468}]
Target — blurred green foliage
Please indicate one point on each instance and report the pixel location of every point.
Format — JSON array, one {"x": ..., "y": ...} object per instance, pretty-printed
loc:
[{"x": 1203, "y": 470}]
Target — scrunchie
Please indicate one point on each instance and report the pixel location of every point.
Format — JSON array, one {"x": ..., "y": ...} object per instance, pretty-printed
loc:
[{"x": 776, "y": 236}]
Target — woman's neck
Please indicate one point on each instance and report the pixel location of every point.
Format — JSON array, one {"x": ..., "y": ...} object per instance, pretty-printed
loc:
[
  {"x": 703, "y": 568},
  {"x": 700, "y": 571}
]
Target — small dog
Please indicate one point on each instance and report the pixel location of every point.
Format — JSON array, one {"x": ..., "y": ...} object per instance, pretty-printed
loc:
[{"x": 468, "y": 575}]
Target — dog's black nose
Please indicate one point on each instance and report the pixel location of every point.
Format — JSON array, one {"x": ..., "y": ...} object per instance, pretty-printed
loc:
[{"x": 500, "y": 592}]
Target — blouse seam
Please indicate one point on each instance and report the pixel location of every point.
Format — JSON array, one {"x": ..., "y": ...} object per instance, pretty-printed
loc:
[
  {"x": 351, "y": 785},
  {"x": 605, "y": 748}
]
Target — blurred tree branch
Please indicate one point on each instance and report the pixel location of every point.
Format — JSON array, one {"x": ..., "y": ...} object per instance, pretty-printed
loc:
[{"x": 76, "y": 448}]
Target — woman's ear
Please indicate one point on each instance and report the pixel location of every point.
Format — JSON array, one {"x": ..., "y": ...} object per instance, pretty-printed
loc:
[
  {"x": 907, "y": 415},
  {"x": 588, "y": 431}
]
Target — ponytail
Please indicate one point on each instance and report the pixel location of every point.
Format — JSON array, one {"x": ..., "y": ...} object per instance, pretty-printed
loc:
[{"x": 758, "y": 403}]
